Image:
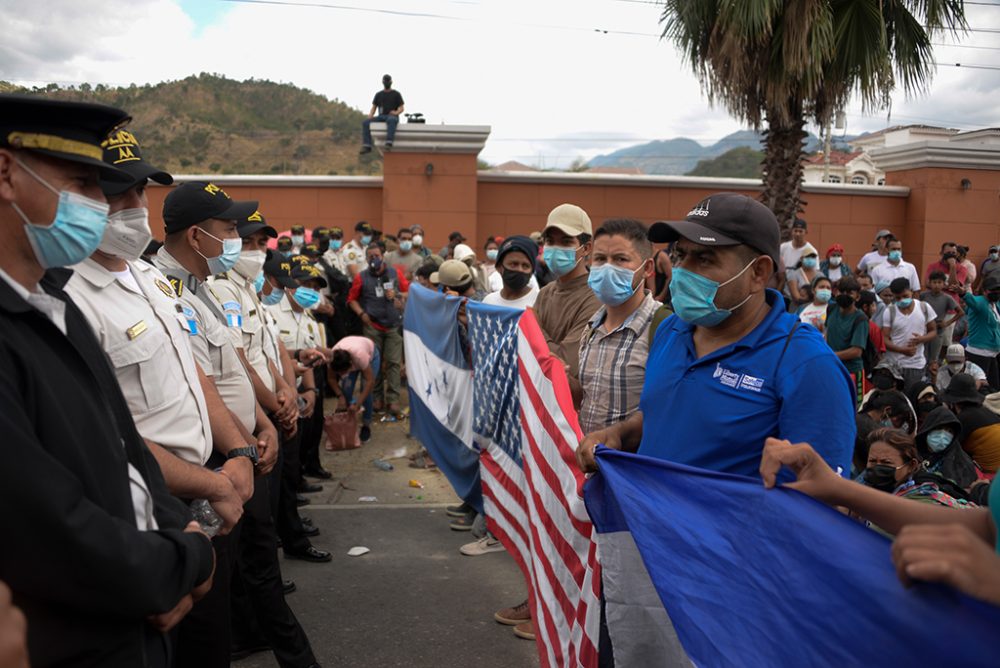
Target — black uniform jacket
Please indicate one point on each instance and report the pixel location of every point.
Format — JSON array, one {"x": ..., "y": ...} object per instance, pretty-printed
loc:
[{"x": 84, "y": 575}]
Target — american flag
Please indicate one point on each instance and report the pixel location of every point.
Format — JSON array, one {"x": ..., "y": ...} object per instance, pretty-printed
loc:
[{"x": 527, "y": 432}]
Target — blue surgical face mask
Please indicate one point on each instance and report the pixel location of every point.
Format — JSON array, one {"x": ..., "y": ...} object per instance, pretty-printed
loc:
[
  {"x": 693, "y": 297},
  {"x": 365, "y": 240},
  {"x": 809, "y": 262},
  {"x": 491, "y": 254},
  {"x": 298, "y": 239},
  {"x": 75, "y": 232},
  {"x": 896, "y": 255},
  {"x": 611, "y": 284},
  {"x": 904, "y": 303},
  {"x": 335, "y": 244},
  {"x": 306, "y": 297},
  {"x": 273, "y": 298},
  {"x": 939, "y": 440},
  {"x": 258, "y": 283},
  {"x": 405, "y": 246},
  {"x": 560, "y": 260},
  {"x": 231, "y": 249},
  {"x": 823, "y": 295}
]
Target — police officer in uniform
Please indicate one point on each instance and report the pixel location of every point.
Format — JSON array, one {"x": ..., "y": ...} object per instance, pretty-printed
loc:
[
  {"x": 141, "y": 326},
  {"x": 257, "y": 579},
  {"x": 298, "y": 238},
  {"x": 100, "y": 558},
  {"x": 201, "y": 239}
]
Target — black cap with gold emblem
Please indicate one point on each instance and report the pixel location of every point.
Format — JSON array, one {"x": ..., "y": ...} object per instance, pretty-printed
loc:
[
  {"x": 61, "y": 129},
  {"x": 121, "y": 149},
  {"x": 281, "y": 269}
]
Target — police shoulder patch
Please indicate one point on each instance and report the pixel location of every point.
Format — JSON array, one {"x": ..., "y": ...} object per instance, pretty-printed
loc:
[
  {"x": 177, "y": 284},
  {"x": 232, "y": 306},
  {"x": 165, "y": 288}
]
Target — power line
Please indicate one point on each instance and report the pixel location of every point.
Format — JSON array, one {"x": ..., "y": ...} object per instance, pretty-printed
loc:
[{"x": 969, "y": 67}]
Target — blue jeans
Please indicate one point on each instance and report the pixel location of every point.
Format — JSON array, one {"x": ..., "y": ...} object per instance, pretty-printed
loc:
[
  {"x": 391, "y": 122},
  {"x": 349, "y": 380}
]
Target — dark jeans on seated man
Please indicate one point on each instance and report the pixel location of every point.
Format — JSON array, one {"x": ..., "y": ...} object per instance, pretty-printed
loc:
[{"x": 390, "y": 120}]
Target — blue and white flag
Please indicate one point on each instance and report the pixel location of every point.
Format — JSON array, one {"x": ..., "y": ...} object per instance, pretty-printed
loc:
[
  {"x": 440, "y": 382},
  {"x": 755, "y": 577}
]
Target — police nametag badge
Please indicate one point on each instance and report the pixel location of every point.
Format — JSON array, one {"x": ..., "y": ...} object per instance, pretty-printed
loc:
[
  {"x": 135, "y": 330},
  {"x": 188, "y": 317},
  {"x": 234, "y": 313},
  {"x": 165, "y": 288}
]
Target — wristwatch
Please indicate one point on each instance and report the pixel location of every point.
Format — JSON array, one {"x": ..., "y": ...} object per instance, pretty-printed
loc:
[{"x": 250, "y": 452}]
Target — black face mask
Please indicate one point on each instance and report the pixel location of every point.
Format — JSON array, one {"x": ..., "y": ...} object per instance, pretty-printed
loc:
[
  {"x": 993, "y": 296},
  {"x": 514, "y": 280},
  {"x": 844, "y": 300},
  {"x": 881, "y": 477}
]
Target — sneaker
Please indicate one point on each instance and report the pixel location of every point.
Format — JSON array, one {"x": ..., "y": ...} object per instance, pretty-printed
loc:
[
  {"x": 365, "y": 149},
  {"x": 484, "y": 545},
  {"x": 525, "y": 630},
  {"x": 518, "y": 614},
  {"x": 366, "y": 433},
  {"x": 463, "y": 523},
  {"x": 458, "y": 511},
  {"x": 388, "y": 145}
]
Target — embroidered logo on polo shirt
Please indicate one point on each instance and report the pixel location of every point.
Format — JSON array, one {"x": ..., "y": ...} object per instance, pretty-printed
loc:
[{"x": 739, "y": 381}]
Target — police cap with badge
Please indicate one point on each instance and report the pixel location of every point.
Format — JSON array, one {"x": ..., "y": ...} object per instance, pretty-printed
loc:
[
  {"x": 197, "y": 201},
  {"x": 121, "y": 149},
  {"x": 72, "y": 131}
]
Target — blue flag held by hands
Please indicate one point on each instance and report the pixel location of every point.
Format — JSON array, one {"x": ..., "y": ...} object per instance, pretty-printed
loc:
[{"x": 755, "y": 577}]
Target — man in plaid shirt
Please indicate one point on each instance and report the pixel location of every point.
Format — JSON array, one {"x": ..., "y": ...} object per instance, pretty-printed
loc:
[{"x": 615, "y": 344}]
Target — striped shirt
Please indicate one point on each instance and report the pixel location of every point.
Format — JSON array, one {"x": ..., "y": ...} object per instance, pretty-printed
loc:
[{"x": 613, "y": 367}]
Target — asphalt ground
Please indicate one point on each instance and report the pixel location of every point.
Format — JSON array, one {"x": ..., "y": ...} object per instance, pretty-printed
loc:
[{"x": 414, "y": 599}]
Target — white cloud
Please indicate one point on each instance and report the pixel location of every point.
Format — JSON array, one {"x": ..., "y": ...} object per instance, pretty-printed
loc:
[{"x": 535, "y": 70}]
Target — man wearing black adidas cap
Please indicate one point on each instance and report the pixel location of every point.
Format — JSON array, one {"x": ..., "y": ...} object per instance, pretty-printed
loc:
[
  {"x": 97, "y": 554},
  {"x": 731, "y": 369}
]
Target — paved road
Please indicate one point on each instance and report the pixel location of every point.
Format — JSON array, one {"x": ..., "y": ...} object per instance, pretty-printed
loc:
[{"x": 414, "y": 600}]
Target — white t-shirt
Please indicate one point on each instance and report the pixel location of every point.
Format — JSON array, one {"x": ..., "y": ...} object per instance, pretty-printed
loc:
[
  {"x": 790, "y": 255},
  {"x": 524, "y": 302},
  {"x": 870, "y": 260},
  {"x": 494, "y": 282},
  {"x": 835, "y": 274},
  {"x": 904, "y": 327},
  {"x": 814, "y": 315},
  {"x": 888, "y": 272}
]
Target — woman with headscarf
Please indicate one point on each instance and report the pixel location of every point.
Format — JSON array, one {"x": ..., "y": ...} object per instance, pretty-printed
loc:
[{"x": 834, "y": 267}]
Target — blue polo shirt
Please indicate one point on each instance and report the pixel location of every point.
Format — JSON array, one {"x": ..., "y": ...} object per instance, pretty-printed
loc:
[{"x": 716, "y": 412}]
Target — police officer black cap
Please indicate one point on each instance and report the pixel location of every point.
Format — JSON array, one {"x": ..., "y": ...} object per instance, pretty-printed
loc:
[
  {"x": 121, "y": 149},
  {"x": 197, "y": 201},
  {"x": 307, "y": 272},
  {"x": 281, "y": 269},
  {"x": 71, "y": 131},
  {"x": 284, "y": 243},
  {"x": 725, "y": 219},
  {"x": 254, "y": 223}
]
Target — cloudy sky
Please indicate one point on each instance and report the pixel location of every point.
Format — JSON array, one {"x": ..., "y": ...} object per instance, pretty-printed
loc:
[{"x": 556, "y": 79}]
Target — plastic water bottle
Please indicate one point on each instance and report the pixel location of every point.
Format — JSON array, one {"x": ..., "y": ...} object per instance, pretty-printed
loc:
[
  {"x": 206, "y": 517},
  {"x": 384, "y": 465}
]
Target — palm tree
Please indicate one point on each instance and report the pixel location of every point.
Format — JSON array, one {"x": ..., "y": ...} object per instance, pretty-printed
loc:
[{"x": 787, "y": 62}]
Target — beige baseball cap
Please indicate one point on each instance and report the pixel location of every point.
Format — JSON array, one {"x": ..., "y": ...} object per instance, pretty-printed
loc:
[
  {"x": 452, "y": 274},
  {"x": 571, "y": 219}
]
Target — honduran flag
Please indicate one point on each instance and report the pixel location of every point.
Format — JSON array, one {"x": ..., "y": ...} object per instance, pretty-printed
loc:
[
  {"x": 713, "y": 569},
  {"x": 439, "y": 377}
]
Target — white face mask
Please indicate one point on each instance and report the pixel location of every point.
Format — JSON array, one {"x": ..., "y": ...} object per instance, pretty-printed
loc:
[
  {"x": 127, "y": 234},
  {"x": 835, "y": 261},
  {"x": 418, "y": 240},
  {"x": 250, "y": 263}
]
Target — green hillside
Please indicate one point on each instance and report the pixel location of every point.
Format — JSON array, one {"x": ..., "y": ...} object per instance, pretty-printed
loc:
[
  {"x": 211, "y": 124},
  {"x": 740, "y": 163}
]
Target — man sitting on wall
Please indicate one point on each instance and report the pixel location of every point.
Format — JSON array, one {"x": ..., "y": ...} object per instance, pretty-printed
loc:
[{"x": 389, "y": 103}]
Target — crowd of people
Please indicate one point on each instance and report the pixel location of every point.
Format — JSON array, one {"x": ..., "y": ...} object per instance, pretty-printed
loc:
[{"x": 149, "y": 383}]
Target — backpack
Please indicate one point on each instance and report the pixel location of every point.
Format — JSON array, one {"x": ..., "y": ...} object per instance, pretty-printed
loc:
[
  {"x": 893, "y": 309},
  {"x": 870, "y": 356},
  {"x": 659, "y": 315}
]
